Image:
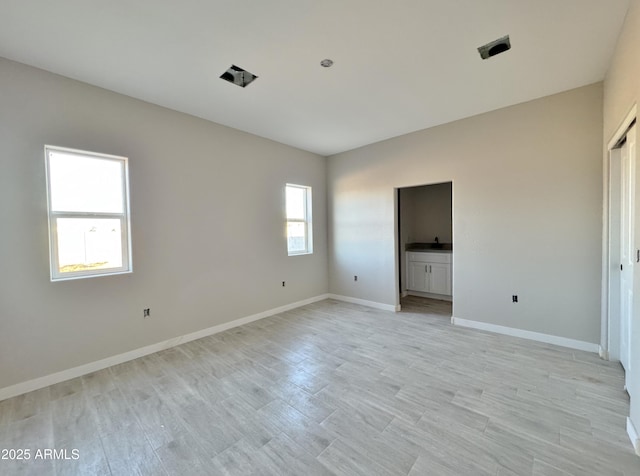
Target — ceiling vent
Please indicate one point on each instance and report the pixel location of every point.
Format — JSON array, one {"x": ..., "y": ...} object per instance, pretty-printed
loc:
[
  {"x": 495, "y": 47},
  {"x": 238, "y": 76}
]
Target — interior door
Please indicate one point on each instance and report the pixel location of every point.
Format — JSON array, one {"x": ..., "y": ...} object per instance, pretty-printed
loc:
[{"x": 627, "y": 162}]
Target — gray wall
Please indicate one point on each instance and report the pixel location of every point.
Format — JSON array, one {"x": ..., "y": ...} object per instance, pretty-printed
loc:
[
  {"x": 527, "y": 197},
  {"x": 207, "y": 211},
  {"x": 429, "y": 213},
  {"x": 621, "y": 92}
]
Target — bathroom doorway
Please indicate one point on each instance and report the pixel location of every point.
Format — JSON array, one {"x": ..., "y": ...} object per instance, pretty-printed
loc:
[{"x": 425, "y": 246}]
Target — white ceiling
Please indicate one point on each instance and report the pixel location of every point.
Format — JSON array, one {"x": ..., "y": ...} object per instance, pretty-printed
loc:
[{"x": 400, "y": 65}]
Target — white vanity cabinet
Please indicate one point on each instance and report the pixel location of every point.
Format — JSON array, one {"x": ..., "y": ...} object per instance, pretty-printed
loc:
[{"x": 429, "y": 272}]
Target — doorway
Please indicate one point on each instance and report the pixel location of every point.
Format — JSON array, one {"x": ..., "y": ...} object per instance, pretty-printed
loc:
[{"x": 425, "y": 246}]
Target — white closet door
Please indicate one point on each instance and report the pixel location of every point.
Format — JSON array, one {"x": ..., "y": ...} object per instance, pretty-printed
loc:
[{"x": 627, "y": 242}]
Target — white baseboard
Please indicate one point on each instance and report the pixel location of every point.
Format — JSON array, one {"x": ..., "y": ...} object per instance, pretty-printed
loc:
[
  {"x": 41, "y": 382},
  {"x": 510, "y": 331},
  {"x": 633, "y": 436},
  {"x": 604, "y": 354},
  {"x": 364, "y": 302}
]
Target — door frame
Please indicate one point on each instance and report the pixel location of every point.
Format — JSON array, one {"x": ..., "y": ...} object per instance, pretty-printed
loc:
[
  {"x": 610, "y": 303},
  {"x": 400, "y": 263}
]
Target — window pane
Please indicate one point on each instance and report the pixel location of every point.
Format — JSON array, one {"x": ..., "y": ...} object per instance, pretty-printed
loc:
[
  {"x": 296, "y": 208},
  {"x": 296, "y": 237},
  {"x": 88, "y": 243},
  {"x": 85, "y": 184}
]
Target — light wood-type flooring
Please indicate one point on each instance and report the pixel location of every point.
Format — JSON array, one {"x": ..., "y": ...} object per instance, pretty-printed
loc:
[{"x": 335, "y": 388}]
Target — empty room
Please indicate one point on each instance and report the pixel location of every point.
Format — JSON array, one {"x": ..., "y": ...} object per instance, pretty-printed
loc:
[{"x": 319, "y": 237}]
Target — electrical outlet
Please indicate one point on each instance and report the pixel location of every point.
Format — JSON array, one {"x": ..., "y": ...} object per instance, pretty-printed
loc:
[
  {"x": 283, "y": 284},
  {"x": 355, "y": 278},
  {"x": 514, "y": 298},
  {"x": 146, "y": 312}
]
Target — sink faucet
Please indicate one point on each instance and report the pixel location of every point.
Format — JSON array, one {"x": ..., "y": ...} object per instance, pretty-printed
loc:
[{"x": 436, "y": 240}]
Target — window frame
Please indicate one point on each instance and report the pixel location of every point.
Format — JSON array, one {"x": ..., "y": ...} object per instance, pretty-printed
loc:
[
  {"x": 124, "y": 218},
  {"x": 307, "y": 220}
]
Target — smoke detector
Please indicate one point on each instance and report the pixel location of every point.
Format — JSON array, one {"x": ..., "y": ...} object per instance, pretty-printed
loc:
[
  {"x": 495, "y": 47},
  {"x": 238, "y": 76}
]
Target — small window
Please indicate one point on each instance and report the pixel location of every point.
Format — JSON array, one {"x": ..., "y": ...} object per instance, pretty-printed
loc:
[
  {"x": 299, "y": 233},
  {"x": 88, "y": 203}
]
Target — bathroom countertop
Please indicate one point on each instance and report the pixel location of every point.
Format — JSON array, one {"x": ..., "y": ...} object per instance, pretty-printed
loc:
[
  {"x": 423, "y": 250},
  {"x": 429, "y": 247}
]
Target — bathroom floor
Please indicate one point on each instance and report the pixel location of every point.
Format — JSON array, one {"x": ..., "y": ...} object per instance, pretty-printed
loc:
[{"x": 428, "y": 306}]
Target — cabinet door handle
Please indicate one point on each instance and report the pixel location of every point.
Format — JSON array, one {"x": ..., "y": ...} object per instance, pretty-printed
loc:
[{"x": 426, "y": 268}]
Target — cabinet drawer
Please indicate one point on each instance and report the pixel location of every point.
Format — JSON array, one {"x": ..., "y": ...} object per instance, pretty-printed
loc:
[{"x": 427, "y": 257}]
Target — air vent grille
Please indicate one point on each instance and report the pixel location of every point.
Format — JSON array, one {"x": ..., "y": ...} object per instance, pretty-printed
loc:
[
  {"x": 238, "y": 76},
  {"x": 495, "y": 47}
]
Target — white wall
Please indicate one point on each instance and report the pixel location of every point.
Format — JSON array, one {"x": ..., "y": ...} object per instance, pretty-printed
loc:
[
  {"x": 621, "y": 92},
  {"x": 527, "y": 195},
  {"x": 207, "y": 211}
]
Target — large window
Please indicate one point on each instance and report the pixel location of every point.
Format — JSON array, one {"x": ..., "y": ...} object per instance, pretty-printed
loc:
[
  {"x": 88, "y": 202},
  {"x": 299, "y": 233}
]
